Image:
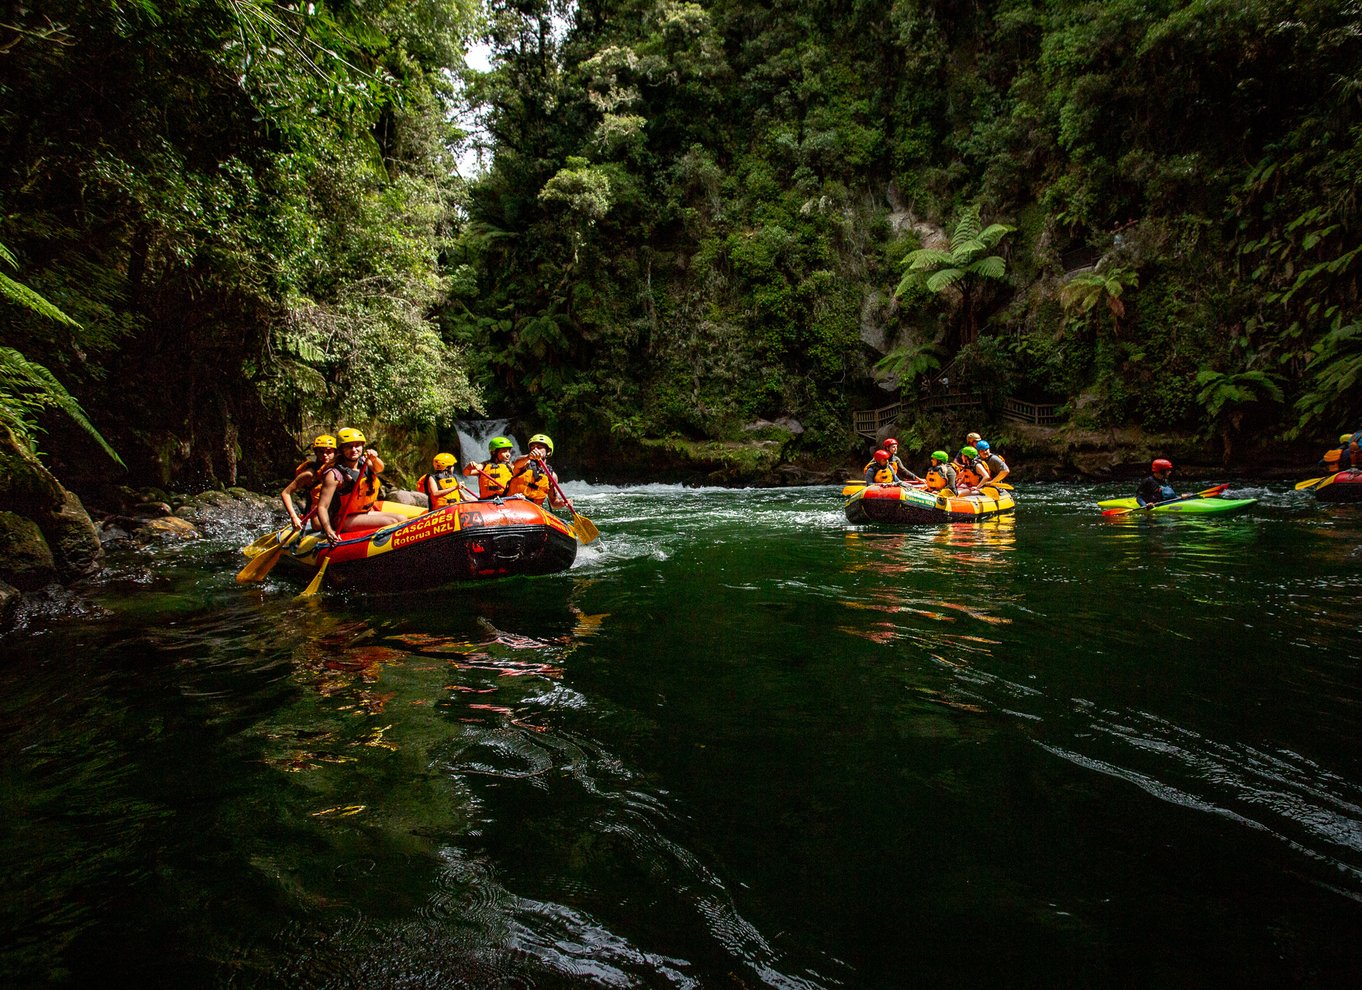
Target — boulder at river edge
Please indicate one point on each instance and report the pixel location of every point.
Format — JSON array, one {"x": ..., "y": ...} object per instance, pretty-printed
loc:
[{"x": 47, "y": 532}]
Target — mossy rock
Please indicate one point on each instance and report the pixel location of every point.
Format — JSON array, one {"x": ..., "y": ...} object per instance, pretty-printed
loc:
[
  {"x": 74, "y": 539},
  {"x": 27, "y": 563}
]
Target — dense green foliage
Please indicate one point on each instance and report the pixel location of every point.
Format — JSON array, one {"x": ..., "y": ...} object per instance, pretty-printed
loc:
[
  {"x": 696, "y": 215},
  {"x": 694, "y": 208},
  {"x": 242, "y": 205}
]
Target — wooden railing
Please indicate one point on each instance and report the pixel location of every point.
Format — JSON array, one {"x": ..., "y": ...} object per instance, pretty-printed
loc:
[
  {"x": 1031, "y": 412},
  {"x": 955, "y": 399},
  {"x": 869, "y": 422}
]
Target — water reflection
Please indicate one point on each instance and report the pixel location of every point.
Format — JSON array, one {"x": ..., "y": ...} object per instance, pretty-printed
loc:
[{"x": 941, "y": 589}]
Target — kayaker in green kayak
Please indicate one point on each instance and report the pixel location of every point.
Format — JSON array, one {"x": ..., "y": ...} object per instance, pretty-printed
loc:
[{"x": 1155, "y": 488}]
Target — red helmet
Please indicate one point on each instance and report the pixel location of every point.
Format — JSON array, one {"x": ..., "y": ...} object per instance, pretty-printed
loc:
[
  {"x": 882, "y": 456},
  {"x": 1162, "y": 464},
  {"x": 889, "y": 440}
]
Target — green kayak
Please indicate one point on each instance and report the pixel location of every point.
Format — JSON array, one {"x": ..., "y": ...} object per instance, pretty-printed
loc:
[{"x": 1190, "y": 507}]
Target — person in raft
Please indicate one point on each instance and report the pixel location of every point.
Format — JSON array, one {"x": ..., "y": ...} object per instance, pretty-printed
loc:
[
  {"x": 880, "y": 470},
  {"x": 892, "y": 447},
  {"x": 970, "y": 471},
  {"x": 495, "y": 476},
  {"x": 941, "y": 475},
  {"x": 307, "y": 478},
  {"x": 354, "y": 467},
  {"x": 441, "y": 487},
  {"x": 531, "y": 475},
  {"x": 1155, "y": 488},
  {"x": 1341, "y": 457},
  {"x": 997, "y": 467}
]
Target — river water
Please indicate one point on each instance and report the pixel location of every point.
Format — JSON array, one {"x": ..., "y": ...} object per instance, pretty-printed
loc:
[{"x": 740, "y": 744}]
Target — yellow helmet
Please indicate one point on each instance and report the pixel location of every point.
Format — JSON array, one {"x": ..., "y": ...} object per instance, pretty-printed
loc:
[
  {"x": 324, "y": 442},
  {"x": 1343, "y": 439},
  {"x": 542, "y": 438},
  {"x": 442, "y": 462},
  {"x": 349, "y": 435}
]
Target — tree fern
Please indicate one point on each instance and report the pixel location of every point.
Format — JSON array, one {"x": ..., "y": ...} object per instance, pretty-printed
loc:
[{"x": 26, "y": 387}]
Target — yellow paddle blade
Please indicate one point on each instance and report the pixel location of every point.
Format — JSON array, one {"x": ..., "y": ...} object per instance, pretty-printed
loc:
[
  {"x": 1005, "y": 486},
  {"x": 1309, "y": 483},
  {"x": 315, "y": 584},
  {"x": 586, "y": 529},
  {"x": 259, "y": 566},
  {"x": 267, "y": 542},
  {"x": 852, "y": 487}
]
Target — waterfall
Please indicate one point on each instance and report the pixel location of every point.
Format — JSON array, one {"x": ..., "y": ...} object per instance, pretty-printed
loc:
[{"x": 474, "y": 434}]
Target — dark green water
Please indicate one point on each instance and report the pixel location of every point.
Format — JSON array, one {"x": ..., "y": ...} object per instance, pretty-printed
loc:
[{"x": 742, "y": 745}]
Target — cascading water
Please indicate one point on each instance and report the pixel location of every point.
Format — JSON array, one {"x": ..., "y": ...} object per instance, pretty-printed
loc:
[{"x": 474, "y": 434}]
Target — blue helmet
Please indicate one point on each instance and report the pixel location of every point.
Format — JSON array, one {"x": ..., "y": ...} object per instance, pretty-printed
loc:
[{"x": 982, "y": 445}]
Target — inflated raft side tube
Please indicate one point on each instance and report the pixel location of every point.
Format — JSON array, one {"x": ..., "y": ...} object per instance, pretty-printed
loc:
[
  {"x": 913, "y": 506},
  {"x": 467, "y": 541}
]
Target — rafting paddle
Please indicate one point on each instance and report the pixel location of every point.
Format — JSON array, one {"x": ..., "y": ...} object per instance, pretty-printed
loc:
[
  {"x": 1315, "y": 482},
  {"x": 315, "y": 584},
  {"x": 1153, "y": 505},
  {"x": 586, "y": 529},
  {"x": 261, "y": 565}
]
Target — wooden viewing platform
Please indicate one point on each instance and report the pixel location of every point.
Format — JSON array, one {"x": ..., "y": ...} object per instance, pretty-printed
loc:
[{"x": 869, "y": 422}]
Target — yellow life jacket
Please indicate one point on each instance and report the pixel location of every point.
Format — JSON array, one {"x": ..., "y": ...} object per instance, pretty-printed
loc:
[
  {"x": 885, "y": 475},
  {"x": 492, "y": 479},
  {"x": 532, "y": 481},
  {"x": 448, "y": 484},
  {"x": 936, "y": 479}
]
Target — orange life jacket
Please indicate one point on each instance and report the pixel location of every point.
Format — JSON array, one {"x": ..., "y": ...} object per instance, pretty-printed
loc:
[
  {"x": 531, "y": 479},
  {"x": 936, "y": 480},
  {"x": 364, "y": 499},
  {"x": 492, "y": 479},
  {"x": 448, "y": 484}
]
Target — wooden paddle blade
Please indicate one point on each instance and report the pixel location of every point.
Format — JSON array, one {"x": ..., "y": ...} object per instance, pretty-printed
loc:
[
  {"x": 260, "y": 566},
  {"x": 586, "y": 529},
  {"x": 315, "y": 584}
]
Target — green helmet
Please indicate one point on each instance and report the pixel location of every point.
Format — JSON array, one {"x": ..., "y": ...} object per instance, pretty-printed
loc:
[
  {"x": 940, "y": 455},
  {"x": 969, "y": 451},
  {"x": 498, "y": 443},
  {"x": 1345, "y": 438}
]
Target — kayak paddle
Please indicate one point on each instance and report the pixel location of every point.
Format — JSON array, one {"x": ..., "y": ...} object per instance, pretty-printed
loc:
[{"x": 1152, "y": 505}]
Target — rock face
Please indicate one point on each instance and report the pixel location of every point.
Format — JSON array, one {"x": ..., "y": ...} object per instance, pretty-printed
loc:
[{"x": 56, "y": 538}]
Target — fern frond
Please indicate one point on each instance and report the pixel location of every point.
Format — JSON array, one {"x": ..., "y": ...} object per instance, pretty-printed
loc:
[
  {"x": 945, "y": 278},
  {"x": 18, "y": 375},
  {"x": 21, "y": 294}
]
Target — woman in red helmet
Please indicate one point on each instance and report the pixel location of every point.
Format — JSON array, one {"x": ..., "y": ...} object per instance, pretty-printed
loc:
[{"x": 1156, "y": 488}]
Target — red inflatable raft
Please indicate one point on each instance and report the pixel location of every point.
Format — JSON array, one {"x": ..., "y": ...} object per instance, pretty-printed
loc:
[
  {"x": 468, "y": 541},
  {"x": 1346, "y": 486}
]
